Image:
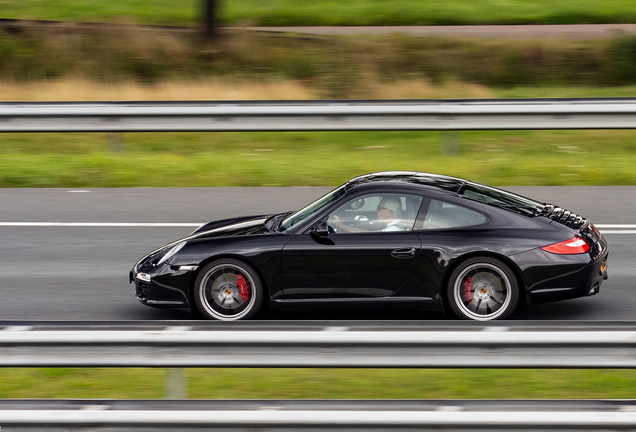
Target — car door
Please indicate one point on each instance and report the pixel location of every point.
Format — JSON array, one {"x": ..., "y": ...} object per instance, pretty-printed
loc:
[
  {"x": 446, "y": 230},
  {"x": 373, "y": 261}
]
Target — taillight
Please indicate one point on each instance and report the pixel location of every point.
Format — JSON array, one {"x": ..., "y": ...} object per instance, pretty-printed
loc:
[
  {"x": 596, "y": 233},
  {"x": 573, "y": 246}
]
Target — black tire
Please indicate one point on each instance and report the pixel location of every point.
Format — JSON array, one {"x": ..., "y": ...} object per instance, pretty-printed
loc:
[
  {"x": 483, "y": 289},
  {"x": 228, "y": 290}
]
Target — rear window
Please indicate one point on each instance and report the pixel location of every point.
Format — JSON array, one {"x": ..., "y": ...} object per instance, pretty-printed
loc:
[
  {"x": 441, "y": 215},
  {"x": 502, "y": 199}
]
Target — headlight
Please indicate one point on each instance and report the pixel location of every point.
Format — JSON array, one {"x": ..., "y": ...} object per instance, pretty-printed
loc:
[
  {"x": 176, "y": 248},
  {"x": 144, "y": 277}
]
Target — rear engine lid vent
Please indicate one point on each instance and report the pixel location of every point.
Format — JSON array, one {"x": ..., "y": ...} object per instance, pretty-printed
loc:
[{"x": 565, "y": 217}]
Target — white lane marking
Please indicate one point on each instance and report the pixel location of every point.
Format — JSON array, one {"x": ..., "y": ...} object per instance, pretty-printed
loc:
[
  {"x": 611, "y": 232},
  {"x": 78, "y": 191},
  {"x": 615, "y": 226},
  {"x": 97, "y": 224}
]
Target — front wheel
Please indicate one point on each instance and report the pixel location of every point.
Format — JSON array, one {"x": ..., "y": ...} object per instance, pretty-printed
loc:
[
  {"x": 483, "y": 289},
  {"x": 228, "y": 290}
]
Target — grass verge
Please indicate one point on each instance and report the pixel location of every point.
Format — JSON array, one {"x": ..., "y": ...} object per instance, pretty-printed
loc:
[
  {"x": 331, "y": 12},
  {"x": 603, "y": 157},
  {"x": 321, "y": 383}
]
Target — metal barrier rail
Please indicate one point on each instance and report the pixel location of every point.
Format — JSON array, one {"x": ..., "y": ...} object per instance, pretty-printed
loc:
[
  {"x": 320, "y": 415},
  {"x": 410, "y": 347},
  {"x": 317, "y": 344},
  {"x": 246, "y": 116}
]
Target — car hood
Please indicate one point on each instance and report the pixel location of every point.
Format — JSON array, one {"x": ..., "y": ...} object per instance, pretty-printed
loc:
[
  {"x": 222, "y": 228},
  {"x": 223, "y": 223},
  {"x": 231, "y": 227}
]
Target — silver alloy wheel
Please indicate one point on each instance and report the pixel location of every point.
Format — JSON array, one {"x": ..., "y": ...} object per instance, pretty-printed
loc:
[
  {"x": 482, "y": 292},
  {"x": 220, "y": 292}
]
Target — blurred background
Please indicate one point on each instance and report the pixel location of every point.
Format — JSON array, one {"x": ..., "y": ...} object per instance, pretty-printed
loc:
[
  {"x": 117, "y": 50},
  {"x": 220, "y": 50}
]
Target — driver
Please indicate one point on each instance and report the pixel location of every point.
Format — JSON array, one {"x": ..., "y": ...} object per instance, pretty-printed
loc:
[{"x": 389, "y": 211}]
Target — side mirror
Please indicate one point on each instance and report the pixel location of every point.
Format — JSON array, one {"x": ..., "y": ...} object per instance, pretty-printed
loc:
[
  {"x": 322, "y": 229},
  {"x": 357, "y": 204},
  {"x": 320, "y": 233}
]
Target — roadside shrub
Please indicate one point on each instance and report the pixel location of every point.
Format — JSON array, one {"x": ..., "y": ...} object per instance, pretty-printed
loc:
[
  {"x": 338, "y": 66},
  {"x": 621, "y": 65}
]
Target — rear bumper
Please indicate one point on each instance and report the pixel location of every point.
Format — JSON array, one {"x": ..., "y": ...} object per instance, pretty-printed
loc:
[{"x": 549, "y": 277}]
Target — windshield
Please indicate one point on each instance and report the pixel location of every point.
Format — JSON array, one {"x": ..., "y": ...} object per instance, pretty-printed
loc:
[
  {"x": 503, "y": 199},
  {"x": 305, "y": 213}
]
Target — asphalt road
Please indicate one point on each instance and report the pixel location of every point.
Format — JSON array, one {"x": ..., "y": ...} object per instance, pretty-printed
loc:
[
  {"x": 515, "y": 31},
  {"x": 81, "y": 272},
  {"x": 526, "y": 31}
]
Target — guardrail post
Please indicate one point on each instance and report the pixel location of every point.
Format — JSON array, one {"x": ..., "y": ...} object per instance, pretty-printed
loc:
[{"x": 176, "y": 383}]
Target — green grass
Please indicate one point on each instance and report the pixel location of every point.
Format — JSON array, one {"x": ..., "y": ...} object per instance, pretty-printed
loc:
[
  {"x": 72, "y": 383},
  {"x": 321, "y": 383},
  {"x": 564, "y": 92},
  {"x": 313, "y": 158},
  {"x": 410, "y": 384},
  {"x": 330, "y": 12}
]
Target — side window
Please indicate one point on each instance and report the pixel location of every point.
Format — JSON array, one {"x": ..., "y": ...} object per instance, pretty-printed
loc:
[
  {"x": 442, "y": 214},
  {"x": 376, "y": 212}
]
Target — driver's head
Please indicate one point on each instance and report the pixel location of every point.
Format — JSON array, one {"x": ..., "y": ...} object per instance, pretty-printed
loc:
[{"x": 389, "y": 208}]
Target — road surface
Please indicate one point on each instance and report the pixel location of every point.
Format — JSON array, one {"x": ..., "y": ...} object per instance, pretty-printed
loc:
[{"x": 81, "y": 272}]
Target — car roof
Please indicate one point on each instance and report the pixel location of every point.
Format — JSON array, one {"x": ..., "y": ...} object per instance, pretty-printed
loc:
[
  {"x": 437, "y": 181},
  {"x": 445, "y": 185}
]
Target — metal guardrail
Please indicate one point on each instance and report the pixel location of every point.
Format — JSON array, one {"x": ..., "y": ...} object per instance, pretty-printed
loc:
[
  {"x": 318, "y": 344},
  {"x": 244, "y": 116},
  {"x": 330, "y": 415},
  {"x": 336, "y": 419},
  {"x": 332, "y": 346}
]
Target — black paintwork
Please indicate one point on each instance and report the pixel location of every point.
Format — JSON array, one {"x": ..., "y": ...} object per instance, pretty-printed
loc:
[{"x": 298, "y": 267}]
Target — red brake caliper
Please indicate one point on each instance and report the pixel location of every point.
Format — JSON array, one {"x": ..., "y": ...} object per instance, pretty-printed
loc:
[
  {"x": 242, "y": 284},
  {"x": 468, "y": 289}
]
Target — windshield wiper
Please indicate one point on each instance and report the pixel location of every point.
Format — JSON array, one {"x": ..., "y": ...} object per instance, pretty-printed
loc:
[
  {"x": 269, "y": 222},
  {"x": 279, "y": 220},
  {"x": 273, "y": 222}
]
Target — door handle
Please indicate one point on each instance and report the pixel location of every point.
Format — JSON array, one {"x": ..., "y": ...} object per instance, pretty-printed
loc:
[{"x": 403, "y": 253}]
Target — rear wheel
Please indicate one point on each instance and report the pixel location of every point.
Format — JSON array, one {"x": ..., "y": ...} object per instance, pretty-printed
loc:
[
  {"x": 483, "y": 289},
  {"x": 228, "y": 290}
]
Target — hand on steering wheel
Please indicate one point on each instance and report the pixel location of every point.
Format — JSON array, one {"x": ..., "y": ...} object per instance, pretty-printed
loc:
[{"x": 334, "y": 223}]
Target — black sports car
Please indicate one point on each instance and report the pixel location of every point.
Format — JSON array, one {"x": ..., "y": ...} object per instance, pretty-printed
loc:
[{"x": 389, "y": 239}]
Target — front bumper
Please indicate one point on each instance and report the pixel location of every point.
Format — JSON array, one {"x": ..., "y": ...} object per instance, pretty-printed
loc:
[{"x": 166, "y": 287}]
